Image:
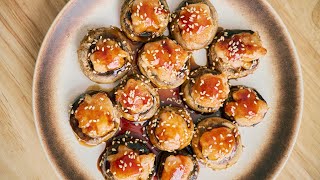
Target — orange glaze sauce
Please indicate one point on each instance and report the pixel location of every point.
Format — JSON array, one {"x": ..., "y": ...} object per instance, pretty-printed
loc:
[
  {"x": 194, "y": 19},
  {"x": 217, "y": 143},
  {"x": 146, "y": 15},
  {"x": 208, "y": 85},
  {"x": 134, "y": 97},
  {"x": 167, "y": 97},
  {"x": 94, "y": 115},
  {"x": 245, "y": 104},
  {"x": 131, "y": 168},
  {"x": 166, "y": 54},
  {"x": 137, "y": 130},
  {"x": 174, "y": 133},
  {"x": 241, "y": 47},
  {"x": 108, "y": 56},
  {"x": 177, "y": 167}
]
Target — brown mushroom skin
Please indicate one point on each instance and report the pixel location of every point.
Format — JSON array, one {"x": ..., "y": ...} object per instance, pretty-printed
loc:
[
  {"x": 215, "y": 91},
  {"x": 170, "y": 129},
  {"x": 185, "y": 153},
  {"x": 245, "y": 106},
  {"x": 137, "y": 145},
  {"x": 201, "y": 33},
  {"x": 88, "y": 46},
  {"x": 225, "y": 159},
  {"x": 151, "y": 95},
  {"x": 173, "y": 66},
  {"x": 236, "y": 52},
  {"x": 127, "y": 25},
  {"x": 74, "y": 122}
]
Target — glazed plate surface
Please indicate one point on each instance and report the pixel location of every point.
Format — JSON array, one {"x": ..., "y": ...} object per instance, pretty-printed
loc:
[{"x": 58, "y": 80}]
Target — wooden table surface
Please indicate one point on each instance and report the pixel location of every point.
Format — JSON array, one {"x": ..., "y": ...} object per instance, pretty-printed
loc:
[{"x": 23, "y": 25}]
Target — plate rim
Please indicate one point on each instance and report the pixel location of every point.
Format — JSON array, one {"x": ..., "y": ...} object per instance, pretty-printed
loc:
[
  {"x": 37, "y": 120},
  {"x": 297, "y": 64}
]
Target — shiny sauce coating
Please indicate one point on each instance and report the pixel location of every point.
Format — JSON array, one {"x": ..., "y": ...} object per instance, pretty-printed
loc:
[
  {"x": 246, "y": 104},
  {"x": 167, "y": 97},
  {"x": 195, "y": 23},
  {"x": 164, "y": 58},
  {"x": 148, "y": 16},
  {"x": 165, "y": 54},
  {"x": 107, "y": 56},
  {"x": 95, "y": 115},
  {"x": 240, "y": 49},
  {"x": 217, "y": 143},
  {"x": 209, "y": 89},
  {"x": 177, "y": 167},
  {"x": 134, "y": 97},
  {"x": 127, "y": 164},
  {"x": 172, "y": 130}
]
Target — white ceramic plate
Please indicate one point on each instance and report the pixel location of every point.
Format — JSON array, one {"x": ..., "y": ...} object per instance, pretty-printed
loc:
[{"x": 58, "y": 80}]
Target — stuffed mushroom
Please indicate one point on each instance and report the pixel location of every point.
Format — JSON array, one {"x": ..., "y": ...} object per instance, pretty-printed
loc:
[
  {"x": 165, "y": 63},
  {"x": 236, "y": 52},
  {"x": 105, "y": 55},
  {"x": 127, "y": 158},
  {"x": 137, "y": 99},
  {"x": 206, "y": 90},
  {"x": 245, "y": 106},
  {"x": 93, "y": 118},
  {"x": 171, "y": 129},
  {"x": 194, "y": 24},
  {"x": 217, "y": 143},
  {"x": 178, "y": 165},
  {"x": 143, "y": 20}
]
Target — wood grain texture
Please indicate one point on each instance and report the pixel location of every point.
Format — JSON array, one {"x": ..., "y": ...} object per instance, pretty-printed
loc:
[{"x": 23, "y": 25}]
